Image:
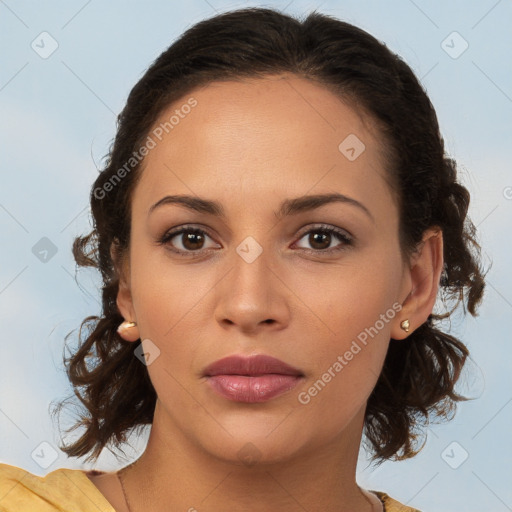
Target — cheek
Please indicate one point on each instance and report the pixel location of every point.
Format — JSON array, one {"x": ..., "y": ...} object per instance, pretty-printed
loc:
[
  {"x": 166, "y": 293},
  {"x": 167, "y": 300},
  {"x": 345, "y": 366},
  {"x": 350, "y": 298},
  {"x": 354, "y": 312},
  {"x": 167, "y": 303}
]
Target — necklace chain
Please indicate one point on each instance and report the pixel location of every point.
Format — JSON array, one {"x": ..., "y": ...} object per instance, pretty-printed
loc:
[{"x": 120, "y": 478}]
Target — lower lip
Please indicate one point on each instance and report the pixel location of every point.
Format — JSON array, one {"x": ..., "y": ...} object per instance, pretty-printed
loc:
[{"x": 242, "y": 388}]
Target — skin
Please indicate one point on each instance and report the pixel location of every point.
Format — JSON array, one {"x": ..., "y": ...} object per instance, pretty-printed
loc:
[{"x": 251, "y": 145}]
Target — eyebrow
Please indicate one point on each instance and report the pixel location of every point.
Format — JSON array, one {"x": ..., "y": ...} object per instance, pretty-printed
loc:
[{"x": 287, "y": 208}]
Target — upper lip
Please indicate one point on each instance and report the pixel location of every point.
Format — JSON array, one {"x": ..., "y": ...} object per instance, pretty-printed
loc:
[{"x": 250, "y": 366}]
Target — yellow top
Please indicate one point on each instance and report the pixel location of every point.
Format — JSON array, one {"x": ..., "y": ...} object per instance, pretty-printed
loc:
[{"x": 70, "y": 490}]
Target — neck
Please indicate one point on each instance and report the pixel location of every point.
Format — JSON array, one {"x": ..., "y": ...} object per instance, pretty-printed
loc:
[{"x": 173, "y": 473}]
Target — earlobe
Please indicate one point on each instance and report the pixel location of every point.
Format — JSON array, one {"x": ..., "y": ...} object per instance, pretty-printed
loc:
[
  {"x": 424, "y": 273},
  {"x": 128, "y": 329}
]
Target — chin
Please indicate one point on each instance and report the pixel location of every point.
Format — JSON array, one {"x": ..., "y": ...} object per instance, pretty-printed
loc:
[
  {"x": 254, "y": 442},
  {"x": 255, "y": 452}
]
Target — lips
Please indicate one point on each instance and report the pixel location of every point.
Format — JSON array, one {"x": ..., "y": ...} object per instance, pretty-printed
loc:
[{"x": 251, "y": 379}]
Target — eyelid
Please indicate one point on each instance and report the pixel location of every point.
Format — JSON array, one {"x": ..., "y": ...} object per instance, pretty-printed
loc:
[{"x": 326, "y": 227}]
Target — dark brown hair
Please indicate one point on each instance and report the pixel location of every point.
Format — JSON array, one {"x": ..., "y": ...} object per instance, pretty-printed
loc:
[{"x": 418, "y": 378}]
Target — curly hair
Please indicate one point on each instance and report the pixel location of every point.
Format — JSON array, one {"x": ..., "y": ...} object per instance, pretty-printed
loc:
[{"x": 418, "y": 378}]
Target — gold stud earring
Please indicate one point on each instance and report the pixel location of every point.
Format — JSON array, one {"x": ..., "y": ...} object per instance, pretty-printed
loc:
[
  {"x": 405, "y": 325},
  {"x": 125, "y": 331},
  {"x": 127, "y": 325}
]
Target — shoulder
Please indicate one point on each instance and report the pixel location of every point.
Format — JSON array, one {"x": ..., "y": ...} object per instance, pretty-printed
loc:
[
  {"x": 62, "y": 489},
  {"x": 391, "y": 505}
]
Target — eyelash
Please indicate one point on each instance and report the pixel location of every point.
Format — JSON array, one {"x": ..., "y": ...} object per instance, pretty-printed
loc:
[{"x": 325, "y": 229}]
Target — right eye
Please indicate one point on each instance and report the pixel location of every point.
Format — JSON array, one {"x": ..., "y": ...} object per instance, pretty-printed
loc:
[{"x": 188, "y": 240}]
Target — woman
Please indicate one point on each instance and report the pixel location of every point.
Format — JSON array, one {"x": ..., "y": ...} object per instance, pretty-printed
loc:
[{"x": 274, "y": 223}]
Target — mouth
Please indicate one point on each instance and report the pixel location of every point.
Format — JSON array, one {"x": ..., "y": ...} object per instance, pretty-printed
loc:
[{"x": 251, "y": 379}]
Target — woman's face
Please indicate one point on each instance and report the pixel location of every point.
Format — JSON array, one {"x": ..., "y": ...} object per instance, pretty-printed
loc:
[{"x": 257, "y": 276}]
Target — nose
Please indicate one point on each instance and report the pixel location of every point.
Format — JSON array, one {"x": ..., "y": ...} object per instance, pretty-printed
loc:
[{"x": 253, "y": 296}]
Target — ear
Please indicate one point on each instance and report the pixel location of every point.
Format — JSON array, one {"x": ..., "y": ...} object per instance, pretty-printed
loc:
[
  {"x": 422, "y": 283},
  {"x": 124, "y": 296}
]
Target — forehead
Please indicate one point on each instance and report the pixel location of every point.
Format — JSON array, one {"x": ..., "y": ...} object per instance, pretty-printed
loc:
[{"x": 262, "y": 136}]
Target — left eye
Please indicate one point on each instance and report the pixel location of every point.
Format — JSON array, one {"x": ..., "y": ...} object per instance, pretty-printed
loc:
[{"x": 321, "y": 238}]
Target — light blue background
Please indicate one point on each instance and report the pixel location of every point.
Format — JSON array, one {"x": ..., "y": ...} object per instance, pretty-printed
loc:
[{"x": 57, "y": 117}]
